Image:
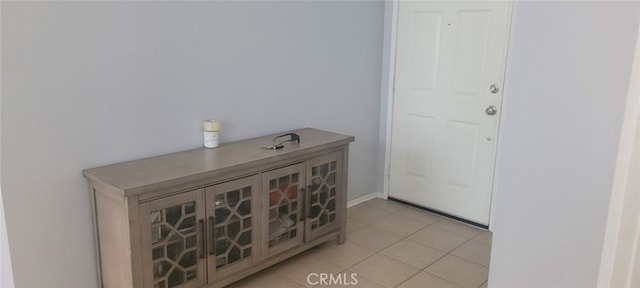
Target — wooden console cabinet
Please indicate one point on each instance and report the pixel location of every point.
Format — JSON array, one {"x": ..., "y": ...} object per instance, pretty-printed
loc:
[{"x": 209, "y": 217}]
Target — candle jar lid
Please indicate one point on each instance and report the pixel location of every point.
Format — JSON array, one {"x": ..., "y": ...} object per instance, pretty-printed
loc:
[{"x": 211, "y": 125}]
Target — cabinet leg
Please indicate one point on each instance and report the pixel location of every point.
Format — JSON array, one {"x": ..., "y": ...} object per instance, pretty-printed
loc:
[{"x": 342, "y": 237}]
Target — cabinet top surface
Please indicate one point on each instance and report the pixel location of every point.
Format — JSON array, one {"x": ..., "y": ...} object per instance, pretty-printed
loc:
[{"x": 137, "y": 174}]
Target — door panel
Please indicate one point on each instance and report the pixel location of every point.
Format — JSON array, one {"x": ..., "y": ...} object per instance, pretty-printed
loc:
[
  {"x": 420, "y": 146},
  {"x": 443, "y": 141},
  {"x": 282, "y": 216},
  {"x": 461, "y": 149},
  {"x": 325, "y": 181},
  {"x": 424, "y": 68},
  {"x": 232, "y": 208},
  {"x": 472, "y": 41},
  {"x": 172, "y": 241}
]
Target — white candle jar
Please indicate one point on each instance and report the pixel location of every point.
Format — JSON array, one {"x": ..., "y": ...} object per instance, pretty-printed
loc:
[{"x": 210, "y": 130}]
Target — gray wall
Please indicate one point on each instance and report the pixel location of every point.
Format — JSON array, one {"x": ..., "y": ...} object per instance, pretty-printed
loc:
[
  {"x": 87, "y": 84},
  {"x": 565, "y": 92}
]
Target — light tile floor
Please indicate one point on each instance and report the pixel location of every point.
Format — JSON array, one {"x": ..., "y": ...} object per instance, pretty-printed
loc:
[{"x": 390, "y": 245}]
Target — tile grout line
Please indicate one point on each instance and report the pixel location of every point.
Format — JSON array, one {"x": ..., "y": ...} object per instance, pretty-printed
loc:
[
  {"x": 405, "y": 280},
  {"x": 379, "y": 252},
  {"x": 402, "y": 238},
  {"x": 446, "y": 253},
  {"x": 376, "y": 252},
  {"x": 441, "y": 219},
  {"x": 449, "y": 254},
  {"x": 468, "y": 239},
  {"x": 444, "y": 279},
  {"x": 469, "y": 260}
]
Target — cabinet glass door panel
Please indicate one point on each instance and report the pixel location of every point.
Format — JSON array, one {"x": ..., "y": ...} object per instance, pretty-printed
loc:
[
  {"x": 231, "y": 214},
  {"x": 283, "y": 204},
  {"x": 322, "y": 193},
  {"x": 172, "y": 238}
]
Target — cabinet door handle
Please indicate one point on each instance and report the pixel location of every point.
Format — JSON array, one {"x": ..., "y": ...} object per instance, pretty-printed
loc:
[
  {"x": 213, "y": 236},
  {"x": 307, "y": 205},
  {"x": 302, "y": 205},
  {"x": 203, "y": 240}
]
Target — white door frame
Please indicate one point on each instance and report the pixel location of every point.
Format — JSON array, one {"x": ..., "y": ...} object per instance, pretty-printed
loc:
[
  {"x": 388, "y": 74},
  {"x": 389, "y": 52},
  {"x": 621, "y": 244}
]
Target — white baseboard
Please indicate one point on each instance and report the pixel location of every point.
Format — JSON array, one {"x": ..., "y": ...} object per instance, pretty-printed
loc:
[{"x": 365, "y": 198}]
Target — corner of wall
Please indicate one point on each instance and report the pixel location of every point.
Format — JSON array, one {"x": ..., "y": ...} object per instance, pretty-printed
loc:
[{"x": 365, "y": 198}]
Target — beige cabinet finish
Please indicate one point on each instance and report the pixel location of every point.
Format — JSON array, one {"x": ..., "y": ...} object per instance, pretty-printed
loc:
[
  {"x": 232, "y": 211},
  {"x": 172, "y": 240},
  {"x": 282, "y": 214},
  {"x": 324, "y": 183},
  {"x": 209, "y": 217}
]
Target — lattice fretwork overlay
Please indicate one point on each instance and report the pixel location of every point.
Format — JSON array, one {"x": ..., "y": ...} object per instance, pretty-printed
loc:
[
  {"x": 173, "y": 238},
  {"x": 322, "y": 202},
  {"x": 233, "y": 226},
  {"x": 283, "y": 208}
]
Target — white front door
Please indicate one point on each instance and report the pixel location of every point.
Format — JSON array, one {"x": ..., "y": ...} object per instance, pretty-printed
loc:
[{"x": 450, "y": 63}]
